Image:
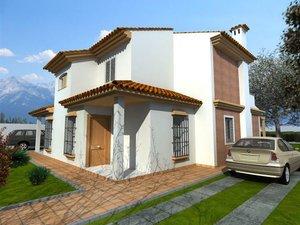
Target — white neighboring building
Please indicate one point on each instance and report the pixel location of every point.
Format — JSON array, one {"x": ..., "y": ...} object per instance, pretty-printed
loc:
[{"x": 142, "y": 100}]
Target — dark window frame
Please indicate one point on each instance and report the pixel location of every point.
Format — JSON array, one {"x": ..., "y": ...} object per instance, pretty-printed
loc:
[
  {"x": 69, "y": 140},
  {"x": 231, "y": 132},
  {"x": 110, "y": 70},
  {"x": 181, "y": 143},
  {"x": 48, "y": 133}
]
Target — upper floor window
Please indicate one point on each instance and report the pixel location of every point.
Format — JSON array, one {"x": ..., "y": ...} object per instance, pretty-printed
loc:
[
  {"x": 229, "y": 129},
  {"x": 110, "y": 70},
  {"x": 62, "y": 82}
]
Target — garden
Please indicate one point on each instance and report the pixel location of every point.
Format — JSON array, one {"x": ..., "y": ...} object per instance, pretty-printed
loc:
[{"x": 21, "y": 180}]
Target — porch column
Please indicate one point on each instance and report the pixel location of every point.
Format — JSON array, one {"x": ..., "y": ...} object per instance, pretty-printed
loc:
[
  {"x": 118, "y": 139},
  {"x": 38, "y": 129}
]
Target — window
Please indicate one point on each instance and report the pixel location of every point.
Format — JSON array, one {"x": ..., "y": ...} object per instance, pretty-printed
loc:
[
  {"x": 255, "y": 143},
  {"x": 110, "y": 70},
  {"x": 70, "y": 126},
  {"x": 19, "y": 133},
  {"x": 62, "y": 82},
  {"x": 30, "y": 133},
  {"x": 290, "y": 147},
  {"x": 282, "y": 146},
  {"x": 48, "y": 133},
  {"x": 180, "y": 135},
  {"x": 229, "y": 129}
]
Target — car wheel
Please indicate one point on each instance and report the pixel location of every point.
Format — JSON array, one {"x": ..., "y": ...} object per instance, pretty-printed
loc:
[
  {"x": 285, "y": 178},
  {"x": 232, "y": 173},
  {"x": 23, "y": 145}
]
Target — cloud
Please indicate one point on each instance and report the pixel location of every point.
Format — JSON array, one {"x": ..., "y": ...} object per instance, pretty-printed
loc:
[
  {"x": 41, "y": 57},
  {"x": 3, "y": 70},
  {"x": 33, "y": 78},
  {"x": 103, "y": 33},
  {"x": 5, "y": 52}
]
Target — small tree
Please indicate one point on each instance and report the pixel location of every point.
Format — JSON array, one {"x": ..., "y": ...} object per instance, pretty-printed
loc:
[
  {"x": 268, "y": 75},
  {"x": 291, "y": 49}
]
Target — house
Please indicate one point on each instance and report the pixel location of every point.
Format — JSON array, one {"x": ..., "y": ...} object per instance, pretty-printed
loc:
[{"x": 142, "y": 100}]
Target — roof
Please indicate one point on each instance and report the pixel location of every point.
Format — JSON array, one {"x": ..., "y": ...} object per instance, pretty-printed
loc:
[
  {"x": 131, "y": 87},
  {"x": 114, "y": 39},
  {"x": 225, "y": 42},
  {"x": 244, "y": 26},
  {"x": 43, "y": 111}
]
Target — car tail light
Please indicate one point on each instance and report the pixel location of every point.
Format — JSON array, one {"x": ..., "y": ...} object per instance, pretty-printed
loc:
[
  {"x": 229, "y": 152},
  {"x": 273, "y": 156}
]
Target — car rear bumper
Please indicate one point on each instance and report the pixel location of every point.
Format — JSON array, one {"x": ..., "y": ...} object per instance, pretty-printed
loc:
[{"x": 258, "y": 170}]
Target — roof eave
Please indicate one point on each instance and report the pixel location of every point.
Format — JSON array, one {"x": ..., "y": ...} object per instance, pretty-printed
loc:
[{"x": 230, "y": 46}]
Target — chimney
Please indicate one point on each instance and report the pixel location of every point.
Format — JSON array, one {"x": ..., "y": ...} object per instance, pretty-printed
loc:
[{"x": 238, "y": 32}]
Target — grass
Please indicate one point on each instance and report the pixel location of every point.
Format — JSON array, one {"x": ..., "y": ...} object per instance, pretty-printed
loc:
[
  {"x": 19, "y": 189},
  {"x": 122, "y": 214},
  {"x": 288, "y": 211},
  {"x": 296, "y": 145},
  {"x": 216, "y": 207}
]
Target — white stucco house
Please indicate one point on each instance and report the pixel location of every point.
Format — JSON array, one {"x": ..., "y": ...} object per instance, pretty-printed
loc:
[{"x": 142, "y": 100}]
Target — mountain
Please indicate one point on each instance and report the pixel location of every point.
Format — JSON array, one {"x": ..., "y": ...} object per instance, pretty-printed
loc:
[{"x": 18, "y": 96}]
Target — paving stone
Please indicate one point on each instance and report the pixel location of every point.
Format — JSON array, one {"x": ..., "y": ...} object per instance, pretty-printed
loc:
[
  {"x": 181, "y": 202},
  {"x": 98, "y": 194},
  {"x": 256, "y": 209}
]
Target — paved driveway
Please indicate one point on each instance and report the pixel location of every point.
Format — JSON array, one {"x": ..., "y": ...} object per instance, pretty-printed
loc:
[{"x": 100, "y": 195}]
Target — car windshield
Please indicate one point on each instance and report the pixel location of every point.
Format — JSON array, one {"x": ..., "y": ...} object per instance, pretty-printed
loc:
[{"x": 255, "y": 143}]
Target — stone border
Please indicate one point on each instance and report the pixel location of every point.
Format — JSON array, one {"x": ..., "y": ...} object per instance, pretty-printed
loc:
[
  {"x": 78, "y": 189},
  {"x": 138, "y": 202}
]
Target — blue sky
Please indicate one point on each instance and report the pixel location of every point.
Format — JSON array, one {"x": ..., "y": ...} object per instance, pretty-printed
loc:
[{"x": 34, "y": 30}]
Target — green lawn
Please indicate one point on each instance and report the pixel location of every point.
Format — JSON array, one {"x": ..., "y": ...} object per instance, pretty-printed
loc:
[
  {"x": 19, "y": 189},
  {"x": 122, "y": 214},
  {"x": 288, "y": 211},
  {"x": 216, "y": 207},
  {"x": 296, "y": 145}
]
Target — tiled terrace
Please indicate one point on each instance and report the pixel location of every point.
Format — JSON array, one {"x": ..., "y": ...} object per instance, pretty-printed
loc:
[{"x": 99, "y": 195}]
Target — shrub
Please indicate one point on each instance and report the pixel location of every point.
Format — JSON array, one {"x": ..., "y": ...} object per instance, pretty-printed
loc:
[
  {"x": 19, "y": 158},
  {"x": 5, "y": 161},
  {"x": 38, "y": 175},
  {"x": 289, "y": 136}
]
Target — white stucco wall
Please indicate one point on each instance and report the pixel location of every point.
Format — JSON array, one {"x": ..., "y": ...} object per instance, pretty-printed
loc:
[
  {"x": 193, "y": 76},
  {"x": 152, "y": 58},
  {"x": 161, "y": 137}
]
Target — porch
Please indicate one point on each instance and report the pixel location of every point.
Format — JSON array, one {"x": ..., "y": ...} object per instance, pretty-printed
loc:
[{"x": 123, "y": 129}]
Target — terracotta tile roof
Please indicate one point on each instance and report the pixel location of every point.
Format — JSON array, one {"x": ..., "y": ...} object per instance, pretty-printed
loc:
[
  {"x": 113, "y": 39},
  {"x": 128, "y": 86},
  {"x": 45, "y": 110}
]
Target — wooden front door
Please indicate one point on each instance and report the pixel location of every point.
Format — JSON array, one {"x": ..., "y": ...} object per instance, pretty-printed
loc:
[{"x": 99, "y": 142}]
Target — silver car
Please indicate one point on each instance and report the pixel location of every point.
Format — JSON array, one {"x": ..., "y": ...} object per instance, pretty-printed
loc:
[{"x": 263, "y": 156}]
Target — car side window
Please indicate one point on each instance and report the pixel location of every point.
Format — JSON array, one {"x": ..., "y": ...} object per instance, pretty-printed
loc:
[
  {"x": 30, "y": 133},
  {"x": 288, "y": 145},
  {"x": 19, "y": 133},
  {"x": 282, "y": 146}
]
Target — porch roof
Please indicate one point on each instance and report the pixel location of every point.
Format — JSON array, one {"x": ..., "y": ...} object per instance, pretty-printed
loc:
[
  {"x": 130, "y": 87},
  {"x": 43, "y": 111}
]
